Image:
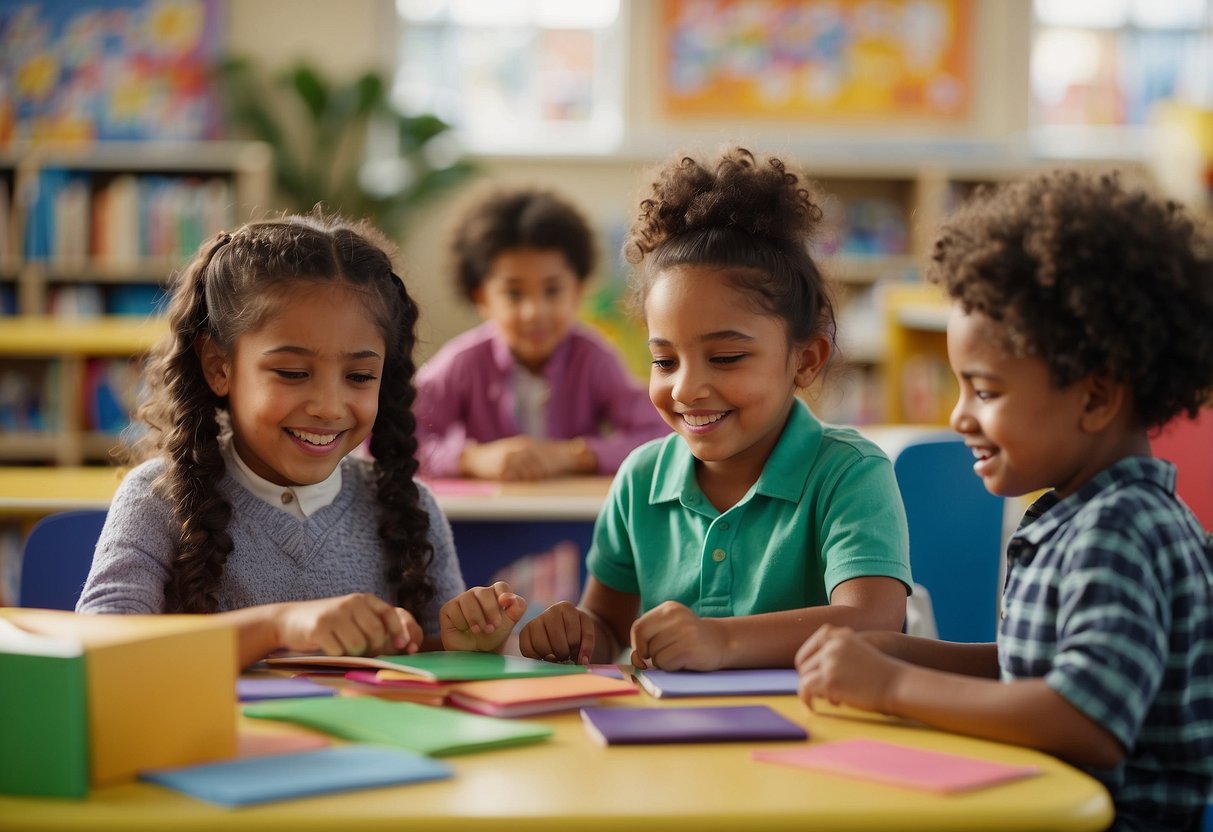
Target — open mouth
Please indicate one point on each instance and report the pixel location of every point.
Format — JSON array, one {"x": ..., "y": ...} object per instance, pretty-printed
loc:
[
  {"x": 699, "y": 421},
  {"x": 320, "y": 440}
]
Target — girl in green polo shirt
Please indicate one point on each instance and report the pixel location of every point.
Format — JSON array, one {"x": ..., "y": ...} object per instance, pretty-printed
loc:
[{"x": 730, "y": 541}]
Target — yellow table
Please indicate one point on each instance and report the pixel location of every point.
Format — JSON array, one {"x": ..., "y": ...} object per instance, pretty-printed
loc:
[{"x": 569, "y": 782}]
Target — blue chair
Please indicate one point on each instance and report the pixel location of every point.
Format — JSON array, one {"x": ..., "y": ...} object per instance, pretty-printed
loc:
[
  {"x": 955, "y": 535},
  {"x": 56, "y": 558}
]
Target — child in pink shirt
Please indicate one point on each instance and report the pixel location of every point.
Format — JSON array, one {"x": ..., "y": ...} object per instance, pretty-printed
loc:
[{"x": 530, "y": 393}]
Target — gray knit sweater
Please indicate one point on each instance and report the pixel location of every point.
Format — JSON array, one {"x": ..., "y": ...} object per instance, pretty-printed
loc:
[{"x": 275, "y": 557}]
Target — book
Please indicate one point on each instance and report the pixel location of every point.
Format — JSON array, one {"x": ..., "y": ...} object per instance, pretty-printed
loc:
[
  {"x": 411, "y": 689},
  {"x": 898, "y": 765},
  {"x": 526, "y": 697},
  {"x": 438, "y": 666},
  {"x": 747, "y": 682},
  {"x": 421, "y": 728},
  {"x": 251, "y": 780},
  {"x": 725, "y": 723}
]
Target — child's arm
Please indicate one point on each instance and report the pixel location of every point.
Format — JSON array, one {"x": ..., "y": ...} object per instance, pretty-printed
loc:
[
  {"x": 837, "y": 665},
  {"x": 672, "y": 637},
  {"x": 354, "y": 625},
  {"x": 979, "y": 660},
  {"x": 594, "y": 631},
  {"x": 480, "y": 618}
]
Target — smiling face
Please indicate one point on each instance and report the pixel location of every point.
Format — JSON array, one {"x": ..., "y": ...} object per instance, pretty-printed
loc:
[
  {"x": 1026, "y": 433},
  {"x": 532, "y": 295},
  {"x": 724, "y": 375},
  {"x": 303, "y": 388}
]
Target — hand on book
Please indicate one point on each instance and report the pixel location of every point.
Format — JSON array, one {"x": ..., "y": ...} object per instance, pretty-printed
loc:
[
  {"x": 672, "y": 637},
  {"x": 561, "y": 633},
  {"x": 360, "y": 624},
  {"x": 481, "y": 618}
]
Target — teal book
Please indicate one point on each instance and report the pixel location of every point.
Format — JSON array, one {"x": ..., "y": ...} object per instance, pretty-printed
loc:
[
  {"x": 438, "y": 666},
  {"x": 421, "y": 728}
]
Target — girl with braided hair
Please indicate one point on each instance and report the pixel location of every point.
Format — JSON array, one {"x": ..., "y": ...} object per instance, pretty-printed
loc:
[{"x": 290, "y": 343}]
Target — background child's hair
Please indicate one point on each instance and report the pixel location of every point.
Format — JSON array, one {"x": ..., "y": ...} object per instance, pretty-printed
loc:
[
  {"x": 751, "y": 218},
  {"x": 503, "y": 219},
  {"x": 1092, "y": 277},
  {"x": 232, "y": 286}
]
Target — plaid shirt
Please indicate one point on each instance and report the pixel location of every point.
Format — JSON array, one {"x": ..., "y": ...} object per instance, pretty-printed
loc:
[{"x": 1109, "y": 598}]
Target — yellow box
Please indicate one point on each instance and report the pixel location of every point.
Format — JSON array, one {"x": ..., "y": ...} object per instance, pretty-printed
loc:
[{"x": 159, "y": 689}]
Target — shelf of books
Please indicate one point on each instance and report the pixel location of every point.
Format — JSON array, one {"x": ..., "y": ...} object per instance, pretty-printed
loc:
[{"x": 88, "y": 239}]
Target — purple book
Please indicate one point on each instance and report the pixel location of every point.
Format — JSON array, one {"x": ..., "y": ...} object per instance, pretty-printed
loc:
[{"x": 726, "y": 723}]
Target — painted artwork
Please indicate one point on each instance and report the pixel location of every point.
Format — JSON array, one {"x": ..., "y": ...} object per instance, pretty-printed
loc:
[
  {"x": 82, "y": 70},
  {"x": 890, "y": 59}
]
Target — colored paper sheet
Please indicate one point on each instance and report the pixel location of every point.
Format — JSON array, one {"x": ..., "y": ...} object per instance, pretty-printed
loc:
[
  {"x": 748, "y": 682},
  {"x": 525, "y": 697},
  {"x": 728, "y": 723},
  {"x": 420, "y": 728},
  {"x": 898, "y": 765},
  {"x": 440, "y": 665},
  {"x": 262, "y": 779}
]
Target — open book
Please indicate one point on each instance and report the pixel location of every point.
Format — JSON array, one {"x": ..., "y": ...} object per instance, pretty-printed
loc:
[{"x": 438, "y": 666}]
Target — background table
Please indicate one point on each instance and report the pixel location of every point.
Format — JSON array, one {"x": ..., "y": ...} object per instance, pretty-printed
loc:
[{"x": 570, "y": 782}]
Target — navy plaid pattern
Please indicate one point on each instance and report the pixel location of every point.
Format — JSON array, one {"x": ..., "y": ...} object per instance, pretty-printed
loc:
[{"x": 1109, "y": 598}]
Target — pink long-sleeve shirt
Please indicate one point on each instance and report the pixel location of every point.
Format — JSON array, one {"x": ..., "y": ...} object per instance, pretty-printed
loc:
[{"x": 466, "y": 392}]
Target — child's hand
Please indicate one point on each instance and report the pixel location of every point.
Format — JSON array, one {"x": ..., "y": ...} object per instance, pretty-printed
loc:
[
  {"x": 672, "y": 637},
  {"x": 480, "y": 618},
  {"x": 560, "y": 633},
  {"x": 840, "y": 665},
  {"x": 351, "y": 625},
  {"x": 512, "y": 458}
]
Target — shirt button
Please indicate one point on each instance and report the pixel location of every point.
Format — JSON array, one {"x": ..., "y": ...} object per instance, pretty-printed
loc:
[
  {"x": 718, "y": 555},
  {"x": 287, "y": 498},
  {"x": 724, "y": 525}
]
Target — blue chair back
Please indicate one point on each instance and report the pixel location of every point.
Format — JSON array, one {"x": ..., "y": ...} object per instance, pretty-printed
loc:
[
  {"x": 56, "y": 558},
  {"x": 955, "y": 535}
]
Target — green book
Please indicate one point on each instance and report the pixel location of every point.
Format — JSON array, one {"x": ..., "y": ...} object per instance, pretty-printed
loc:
[
  {"x": 44, "y": 743},
  {"x": 421, "y": 728},
  {"x": 438, "y": 666}
]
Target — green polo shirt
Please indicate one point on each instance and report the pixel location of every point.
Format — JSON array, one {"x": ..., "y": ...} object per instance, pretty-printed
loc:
[{"x": 824, "y": 510}]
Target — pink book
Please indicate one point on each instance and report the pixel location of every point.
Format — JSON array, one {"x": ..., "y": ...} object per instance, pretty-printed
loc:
[{"x": 897, "y": 765}]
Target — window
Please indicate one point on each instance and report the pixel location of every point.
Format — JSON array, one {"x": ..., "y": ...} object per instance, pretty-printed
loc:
[
  {"x": 515, "y": 75},
  {"x": 1103, "y": 65}
]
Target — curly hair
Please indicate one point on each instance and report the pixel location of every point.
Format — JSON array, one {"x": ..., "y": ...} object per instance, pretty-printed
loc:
[
  {"x": 751, "y": 218},
  {"x": 1092, "y": 277},
  {"x": 503, "y": 219},
  {"x": 230, "y": 288}
]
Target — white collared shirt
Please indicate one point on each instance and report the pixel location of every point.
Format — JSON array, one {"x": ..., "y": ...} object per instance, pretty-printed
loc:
[{"x": 300, "y": 501}]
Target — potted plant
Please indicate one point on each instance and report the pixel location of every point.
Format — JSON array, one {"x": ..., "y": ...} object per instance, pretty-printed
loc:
[{"x": 343, "y": 144}]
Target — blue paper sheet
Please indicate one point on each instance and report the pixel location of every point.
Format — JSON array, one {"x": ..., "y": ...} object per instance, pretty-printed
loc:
[{"x": 252, "y": 780}]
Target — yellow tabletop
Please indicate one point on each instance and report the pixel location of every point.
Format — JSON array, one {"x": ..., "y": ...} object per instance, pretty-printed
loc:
[
  {"x": 31, "y": 492},
  {"x": 570, "y": 782}
]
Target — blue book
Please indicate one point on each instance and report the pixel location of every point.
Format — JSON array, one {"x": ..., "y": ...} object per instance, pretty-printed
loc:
[
  {"x": 250, "y": 780},
  {"x": 747, "y": 682},
  {"x": 257, "y": 688},
  {"x": 724, "y": 723}
]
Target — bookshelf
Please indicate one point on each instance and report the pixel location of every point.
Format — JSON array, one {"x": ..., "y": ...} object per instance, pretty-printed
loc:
[
  {"x": 93, "y": 233},
  {"x": 880, "y": 222}
]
